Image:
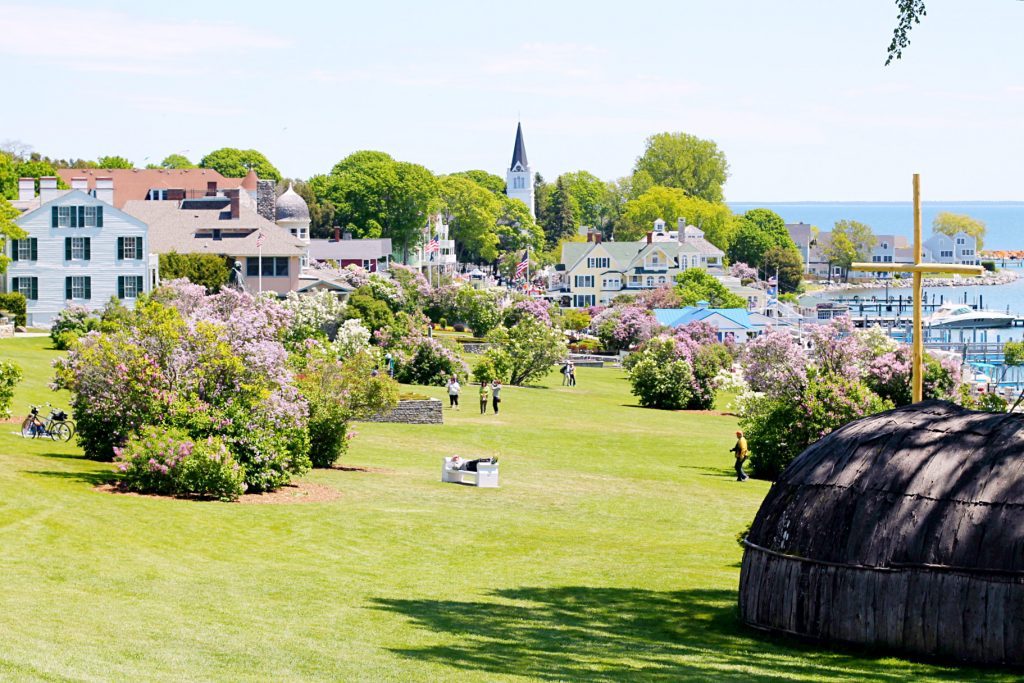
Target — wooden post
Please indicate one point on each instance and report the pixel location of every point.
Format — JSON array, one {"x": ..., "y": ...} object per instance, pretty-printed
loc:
[{"x": 918, "y": 365}]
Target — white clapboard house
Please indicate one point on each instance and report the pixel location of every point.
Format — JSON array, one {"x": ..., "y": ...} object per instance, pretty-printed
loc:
[{"x": 79, "y": 250}]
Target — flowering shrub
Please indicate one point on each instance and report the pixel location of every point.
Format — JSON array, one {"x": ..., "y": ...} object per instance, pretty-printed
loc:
[
  {"x": 622, "y": 328},
  {"x": 316, "y": 314},
  {"x": 697, "y": 345},
  {"x": 775, "y": 364},
  {"x": 415, "y": 289},
  {"x": 478, "y": 308},
  {"x": 10, "y": 375},
  {"x": 441, "y": 304},
  {"x": 351, "y": 338},
  {"x": 425, "y": 360},
  {"x": 528, "y": 306},
  {"x": 70, "y": 324},
  {"x": 664, "y": 296},
  {"x": 337, "y": 392},
  {"x": 889, "y": 376},
  {"x": 661, "y": 378},
  {"x": 374, "y": 313},
  {"x": 743, "y": 271},
  {"x": 211, "y": 365},
  {"x": 779, "y": 428},
  {"x": 169, "y": 462}
]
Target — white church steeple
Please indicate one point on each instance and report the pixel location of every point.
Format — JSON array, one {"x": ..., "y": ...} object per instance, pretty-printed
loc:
[{"x": 519, "y": 179}]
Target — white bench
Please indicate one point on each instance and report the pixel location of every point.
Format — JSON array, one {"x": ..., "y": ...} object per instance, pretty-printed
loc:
[{"x": 486, "y": 475}]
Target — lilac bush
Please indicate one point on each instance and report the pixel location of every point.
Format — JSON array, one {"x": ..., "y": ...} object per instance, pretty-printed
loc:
[
  {"x": 212, "y": 365},
  {"x": 743, "y": 271},
  {"x": 775, "y": 364},
  {"x": 535, "y": 308},
  {"x": 169, "y": 462},
  {"x": 625, "y": 327}
]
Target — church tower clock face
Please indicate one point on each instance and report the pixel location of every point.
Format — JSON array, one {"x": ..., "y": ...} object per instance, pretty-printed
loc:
[{"x": 519, "y": 179}]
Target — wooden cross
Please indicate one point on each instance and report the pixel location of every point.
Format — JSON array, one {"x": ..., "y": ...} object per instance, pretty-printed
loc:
[{"x": 919, "y": 268}]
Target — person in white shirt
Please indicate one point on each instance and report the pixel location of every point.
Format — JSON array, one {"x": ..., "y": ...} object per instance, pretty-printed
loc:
[{"x": 453, "y": 392}]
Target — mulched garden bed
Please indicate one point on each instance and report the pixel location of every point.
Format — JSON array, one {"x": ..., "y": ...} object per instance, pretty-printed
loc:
[{"x": 300, "y": 492}]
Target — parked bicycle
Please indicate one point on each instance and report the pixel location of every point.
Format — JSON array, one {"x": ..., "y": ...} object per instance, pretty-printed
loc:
[{"x": 57, "y": 426}]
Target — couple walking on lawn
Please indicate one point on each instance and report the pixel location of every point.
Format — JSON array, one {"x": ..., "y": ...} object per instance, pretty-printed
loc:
[{"x": 490, "y": 391}]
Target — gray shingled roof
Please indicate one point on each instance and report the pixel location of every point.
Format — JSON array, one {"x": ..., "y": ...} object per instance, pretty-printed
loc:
[
  {"x": 331, "y": 250},
  {"x": 172, "y": 228}
]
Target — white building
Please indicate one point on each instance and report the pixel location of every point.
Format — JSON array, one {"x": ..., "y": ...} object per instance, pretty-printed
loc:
[
  {"x": 519, "y": 179},
  {"x": 292, "y": 213},
  {"x": 961, "y": 248},
  {"x": 81, "y": 250},
  {"x": 443, "y": 259}
]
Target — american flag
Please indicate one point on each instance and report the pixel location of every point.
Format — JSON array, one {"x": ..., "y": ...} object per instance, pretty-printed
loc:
[
  {"x": 523, "y": 265},
  {"x": 432, "y": 246},
  {"x": 260, "y": 238}
]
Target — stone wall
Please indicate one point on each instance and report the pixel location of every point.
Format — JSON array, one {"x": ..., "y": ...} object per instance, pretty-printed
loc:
[
  {"x": 413, "y": 412},
  {"x": 266, "y": 199},
  {"x": 6, "y": 329},
  {"x": 475, "y": 347}
]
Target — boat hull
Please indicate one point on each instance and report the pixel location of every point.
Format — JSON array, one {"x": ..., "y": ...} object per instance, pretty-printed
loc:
[{"x": 980, "y": 323}]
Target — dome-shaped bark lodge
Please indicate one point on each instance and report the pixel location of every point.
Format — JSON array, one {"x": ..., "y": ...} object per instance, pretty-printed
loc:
[{"x": 903, "y": 530}]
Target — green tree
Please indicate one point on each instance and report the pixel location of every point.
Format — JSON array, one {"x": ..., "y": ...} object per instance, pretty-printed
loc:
[
  {"x": 176, "y": 161},
  {"x": 670, "y": 204},
  {"x": 374, "y": 313},
  {"x": 376, "y": 196},
  {"x": 696, "y": 284},
  {"x": 851, "y": 241},
  {"x": 472, "y": 212},
  {"x": 321, "y": 211},
  {"x": 909, "y": 13},
  {"x": 236, "y": 163},
  {"x": 529, "y": 349},
  {"x": 593, "y": 198},
  {"x": 788, "y": 264},
  {"x": 8, "y": 177},
  {"x": 541, "y": 197},
  {"x": 37, "y": 168},
  {"x": 561, "y": 216},
  {"x": 8, "y": 230},
  {"x": 950, "y": 224},
  {"x": 685, "y": 161},
  {"x": 488, "y": 181},
  {"x": 759, "y": 230},
  {"x": 209, "y": 270},
  {"x": 114, "y": 162},
  {"x": 660, "y": 378}
]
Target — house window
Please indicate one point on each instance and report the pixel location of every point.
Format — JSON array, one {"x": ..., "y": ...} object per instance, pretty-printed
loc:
[
  {"x": 78, "y": 287},
  {"x": 129, "y": 286},
  {"x": 598, "y": 262},
  {"x": 582, "y": 300},
  {"x": 273, "y": 266},
  {"x": 584, "y": 281},
  {"x": 661, "y": 280},
  {"x": 650, "y": 281},
  {"x": 64, "y": 214},
  {"x": 368, "y": 264},
  {"x": 876, "y": 258},
  {"x": 611, "y": 283},
  {"x": 27, "y": 286},
  {"x": 24, "y": 249},
  {"x": 90, "y": 216},
  {"x": 960, "y": 240},
  {"x": 129, "y": 249},
  {"x": 946, "y": 254},
  {"x": 885, "y": 246},
  {"x": 79, "y": 248}
]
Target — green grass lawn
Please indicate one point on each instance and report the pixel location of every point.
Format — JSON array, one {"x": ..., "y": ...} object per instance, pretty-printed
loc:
[{"x": 608, "y": 554}]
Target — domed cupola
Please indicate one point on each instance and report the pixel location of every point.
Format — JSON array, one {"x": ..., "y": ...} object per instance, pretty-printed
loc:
[
  {"x": 291, "y": 207},
  {"x": 292, "y": 213}
]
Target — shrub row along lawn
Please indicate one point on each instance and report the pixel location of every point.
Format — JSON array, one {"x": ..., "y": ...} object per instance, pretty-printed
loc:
[{"x": 608, "y": 553}]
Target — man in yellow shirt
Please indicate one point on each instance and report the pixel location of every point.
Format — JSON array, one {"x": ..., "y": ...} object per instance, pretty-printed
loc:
[{"x": 740, "y": 451}]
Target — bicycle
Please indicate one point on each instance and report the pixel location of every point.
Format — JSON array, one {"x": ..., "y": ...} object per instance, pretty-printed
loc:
[{"x": 57, "y": 426}]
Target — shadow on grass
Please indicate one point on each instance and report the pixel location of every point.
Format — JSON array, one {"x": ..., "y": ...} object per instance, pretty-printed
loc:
[
  {"x": 65, "y": 456},
  {"x": 716, "y": 472},
  {"x": 610, "y": 634},
  {"x": 91, "y": 478}
]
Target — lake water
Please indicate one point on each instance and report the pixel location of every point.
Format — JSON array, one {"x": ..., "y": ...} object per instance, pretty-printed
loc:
[{"x": 1004, "y": 220}]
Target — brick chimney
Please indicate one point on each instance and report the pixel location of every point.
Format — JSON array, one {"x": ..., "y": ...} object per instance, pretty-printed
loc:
[
  {"x": 650, "y": 237},
  {"x": 337, "y": 234},
  {"x": 235, "y": 200},
  {"x": 26, "y": 189},
  {"x": 598, "y": 237}
]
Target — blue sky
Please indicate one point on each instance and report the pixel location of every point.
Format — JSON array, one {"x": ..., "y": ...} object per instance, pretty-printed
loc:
[{"x": 794, "y": 92}]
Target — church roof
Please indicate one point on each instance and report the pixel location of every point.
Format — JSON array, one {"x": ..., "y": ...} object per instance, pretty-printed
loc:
[
  {"x": 291, "y": 207},
  {"x": 519, "y": 151}
]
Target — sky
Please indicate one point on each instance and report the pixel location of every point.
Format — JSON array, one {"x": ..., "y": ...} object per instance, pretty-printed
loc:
[{"x": 795, "y": 93}]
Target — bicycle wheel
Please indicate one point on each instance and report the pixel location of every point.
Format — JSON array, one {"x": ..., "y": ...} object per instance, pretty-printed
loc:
[
  {"x": 27, "y": 430},
  {"x": 59, "y": 431},
  {"x": 71, "y": 426}
]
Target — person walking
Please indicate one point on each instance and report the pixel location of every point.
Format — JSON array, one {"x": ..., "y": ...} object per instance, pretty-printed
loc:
[
  {"x": 485, "y": 393},
  {"x": 454, "y": 388},
  {"x": 740, "y": 451},
  {"x": 572, "y": 374},
  {"x": 496, "y": 395},
  {"x": 565, "y": 373}
]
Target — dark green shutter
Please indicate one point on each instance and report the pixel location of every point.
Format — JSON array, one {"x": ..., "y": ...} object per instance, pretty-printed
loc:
[
  {"x": 138, "y": 248},
  {"x": 99, "y": 216},
  {"x": 120, "y": 286},
  {"x": 140, "y": 284},
  {"x": 53, "y": 220},
  {"x": 67, "y": 248},
  {"x": 14, "y": 284},
  {"x": 88, "y": 288},
  {"x": 88, "y": 247},
  {"x": 34, "y": 248},
  {"x": 67, "y": 288},
  {"x": 120, "y": 248},
  {"x": 81, "y": 216},
  {"x": 14, "y": 250},
  {"x": 34, "y": 285}
]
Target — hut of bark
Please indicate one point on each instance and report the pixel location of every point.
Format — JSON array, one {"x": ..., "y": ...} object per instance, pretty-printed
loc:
[{"x": 903, "y": 531}]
